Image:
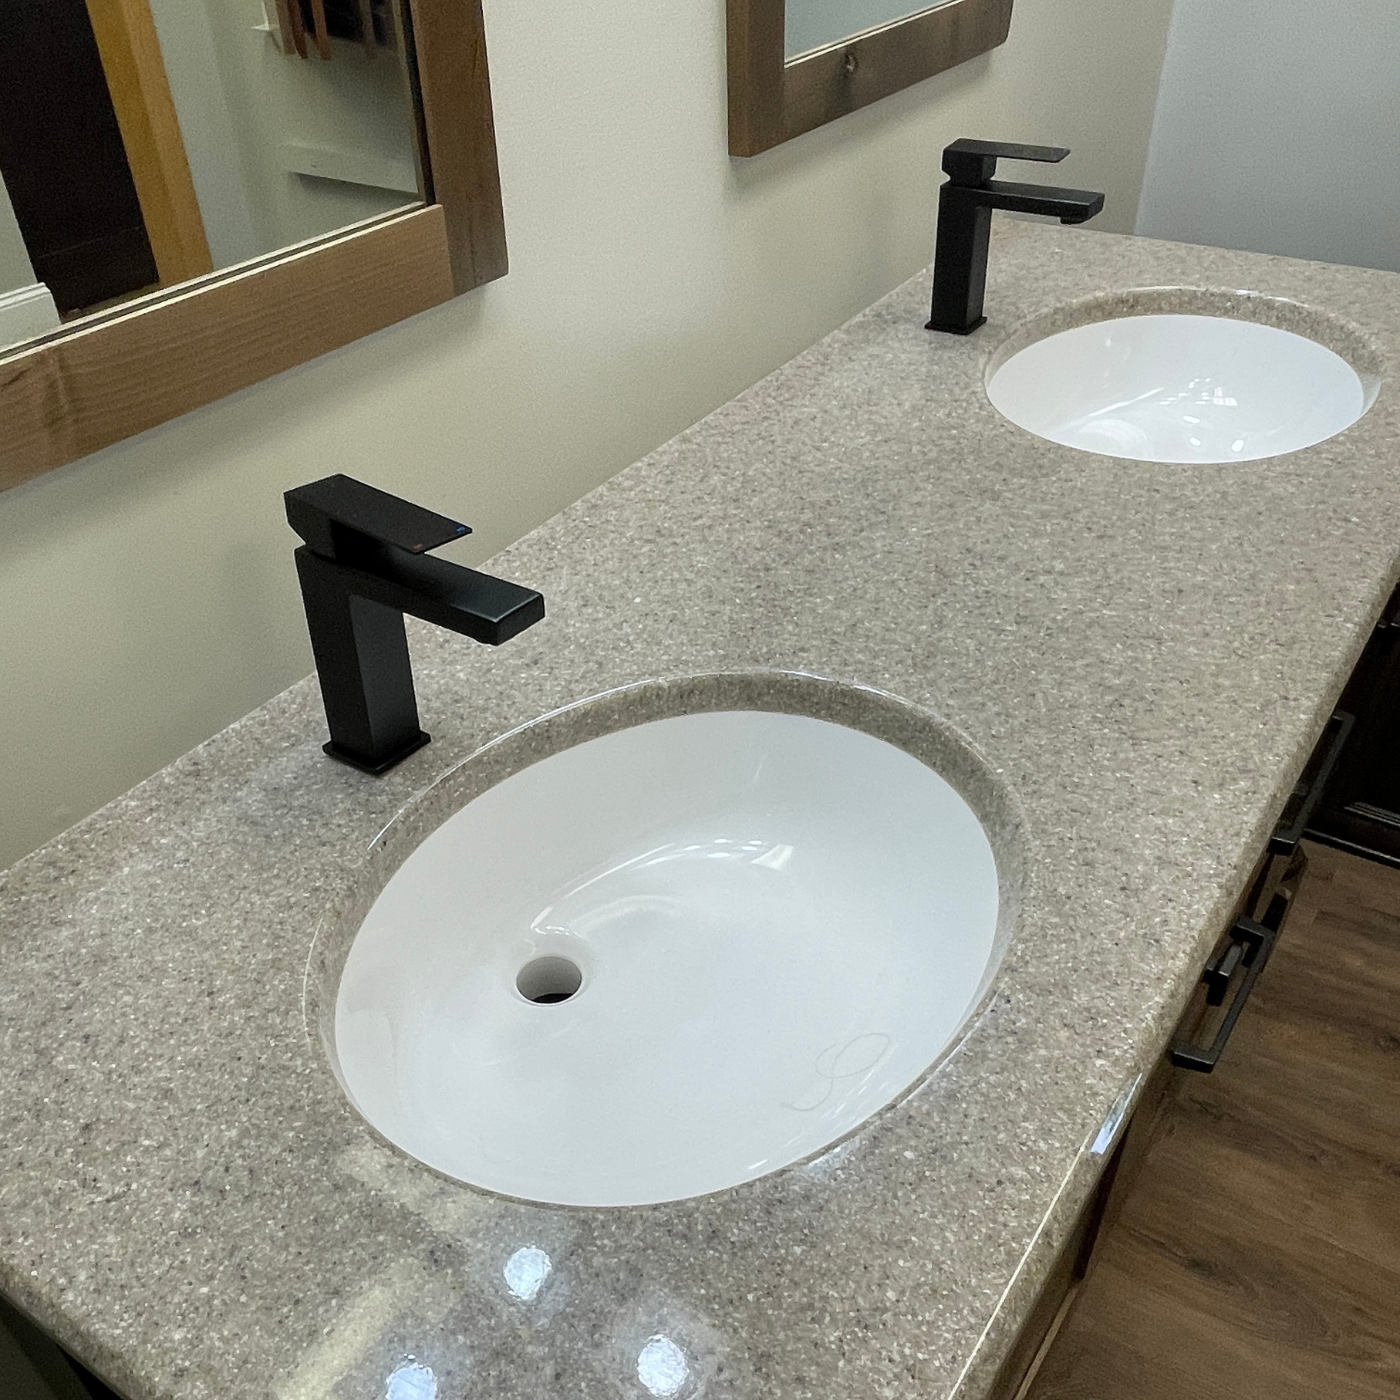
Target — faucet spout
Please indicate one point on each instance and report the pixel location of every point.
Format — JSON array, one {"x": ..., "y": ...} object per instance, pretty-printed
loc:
[
  {"x": 475, "y": 605},
  {"x": 1068, "y": 206},
  {"x": 965, "y": 205},
  {"x": 363, "y": 566}
]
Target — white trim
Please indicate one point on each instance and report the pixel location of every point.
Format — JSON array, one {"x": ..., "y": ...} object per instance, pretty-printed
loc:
[
  {"x": 26, "y": 312},
  {"x": 350, "y": 167}
]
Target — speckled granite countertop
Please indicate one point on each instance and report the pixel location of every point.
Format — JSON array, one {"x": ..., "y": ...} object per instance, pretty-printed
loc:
[{"x": 1144, "y": 654}]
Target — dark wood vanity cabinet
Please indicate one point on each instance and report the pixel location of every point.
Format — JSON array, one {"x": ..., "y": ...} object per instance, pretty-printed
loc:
[{"x": 1360, "y": 808}]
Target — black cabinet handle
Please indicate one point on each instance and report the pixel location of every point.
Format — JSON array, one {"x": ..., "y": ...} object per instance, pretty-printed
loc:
[
  {"x": 1256, "y": 943},
  {"x": 1219, "y": 972},
  {"x": 1298, "y": 810},
  {"x": 1251, "y": 944}
]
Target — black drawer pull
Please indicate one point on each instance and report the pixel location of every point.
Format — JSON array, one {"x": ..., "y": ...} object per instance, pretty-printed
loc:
[
  {"x": 1218, "y": 973},
  {"x": 1302, "y": 802},
  {"x": 1251, "y": 943},
  {"x": 1249, "y": 935}
]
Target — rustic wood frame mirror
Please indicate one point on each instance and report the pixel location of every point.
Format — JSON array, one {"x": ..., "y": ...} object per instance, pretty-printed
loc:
[
  {"x": 772, "y": 99},
  {"x": 115, "y": 374}
]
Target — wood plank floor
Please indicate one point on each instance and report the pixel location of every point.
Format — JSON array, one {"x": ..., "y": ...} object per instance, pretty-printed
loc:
[{"x": 1258, "y": 1254}]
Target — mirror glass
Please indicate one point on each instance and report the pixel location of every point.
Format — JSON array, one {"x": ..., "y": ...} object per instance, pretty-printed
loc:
[
  {"x": 815, "y": 24},
  {"x": 147, "y": 142}
]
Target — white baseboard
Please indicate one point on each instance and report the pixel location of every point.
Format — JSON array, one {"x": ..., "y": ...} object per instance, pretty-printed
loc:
[
  {"x": 350, "y": 167},
  {"x": 26, "y": 312}
]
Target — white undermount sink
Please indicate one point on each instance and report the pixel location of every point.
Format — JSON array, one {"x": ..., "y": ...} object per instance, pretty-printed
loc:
[
  {"x": 669, "y": 959},
  {"x": 1180, "y": 388}
]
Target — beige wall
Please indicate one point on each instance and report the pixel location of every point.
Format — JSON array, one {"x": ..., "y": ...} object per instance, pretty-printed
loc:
[{"x": 147, "y": 595}]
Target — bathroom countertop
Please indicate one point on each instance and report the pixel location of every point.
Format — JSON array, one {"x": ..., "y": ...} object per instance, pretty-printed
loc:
[{"x": 1145, "y": 654}]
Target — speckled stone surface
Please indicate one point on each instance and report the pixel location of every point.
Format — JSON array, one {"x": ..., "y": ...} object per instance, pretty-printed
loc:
[{"x": 1142, "y": 656}]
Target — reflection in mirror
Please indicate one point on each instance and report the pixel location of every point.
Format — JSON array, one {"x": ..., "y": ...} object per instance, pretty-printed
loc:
[
  {"x": 813, "y": 24},
  {"x": 146, "y": 142},
  {"x": 795, "y": 65}
]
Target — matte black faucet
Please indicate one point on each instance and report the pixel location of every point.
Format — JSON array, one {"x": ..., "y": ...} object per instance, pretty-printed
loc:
[
  {"x": 363, "y": 567},
  {"x": 965, "y": 205}
]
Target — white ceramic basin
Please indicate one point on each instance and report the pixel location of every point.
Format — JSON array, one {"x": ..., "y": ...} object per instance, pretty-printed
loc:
[
  {"x": 1180, "y": 389},
  {"x": 668, "y": 960}
]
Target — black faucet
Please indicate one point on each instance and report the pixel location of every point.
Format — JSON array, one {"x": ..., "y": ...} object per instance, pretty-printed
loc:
[
  {"x": 965, "y": 205},
  {"x": 362, "y": 567}
]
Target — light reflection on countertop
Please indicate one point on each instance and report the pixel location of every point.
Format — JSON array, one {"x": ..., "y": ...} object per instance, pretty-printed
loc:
[
  {"x": 662, "y": 1368},
  {"x": 525, "y": 1272},
  {"x": 410, "y": 1381}
]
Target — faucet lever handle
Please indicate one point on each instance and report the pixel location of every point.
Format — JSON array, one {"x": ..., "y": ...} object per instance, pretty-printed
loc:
[
  {"x": 338, "y": 515},
  {"x": 968, "y": 162}
]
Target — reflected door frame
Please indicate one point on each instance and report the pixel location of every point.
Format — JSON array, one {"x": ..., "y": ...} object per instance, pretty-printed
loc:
[
  {"x": 771, "y": 99},
  {"x": 116, "y": 374},
  {"x": 155, "y": 150}
]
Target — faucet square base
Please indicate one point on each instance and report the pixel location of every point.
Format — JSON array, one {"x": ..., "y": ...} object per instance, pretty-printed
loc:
[
  {"x": 957, "y": 330},
  {"x": 371, "y": 766}
]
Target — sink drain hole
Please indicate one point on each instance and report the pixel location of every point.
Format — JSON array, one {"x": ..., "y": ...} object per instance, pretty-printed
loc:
[{"x": 548, "y": 980}]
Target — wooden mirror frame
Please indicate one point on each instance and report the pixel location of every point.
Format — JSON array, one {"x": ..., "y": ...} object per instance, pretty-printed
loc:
[
  {"x": 772, "y": 100},
  {"x": 82, "y": 388}
]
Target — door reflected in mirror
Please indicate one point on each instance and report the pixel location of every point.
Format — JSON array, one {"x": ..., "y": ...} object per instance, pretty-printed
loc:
[
  {"x": 815, "y": 24},
  {"x": 147, "y": 142}
]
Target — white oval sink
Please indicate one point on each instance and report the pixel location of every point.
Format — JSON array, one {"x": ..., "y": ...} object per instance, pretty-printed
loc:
[
  {"x": 668, "y": 960},
  {"x": 1177, "y": 388}
]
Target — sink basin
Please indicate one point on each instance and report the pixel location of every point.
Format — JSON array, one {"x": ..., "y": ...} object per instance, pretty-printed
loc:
[
  {"x": 1180, "y": 388},
  {"x": 668, "y": 959}
]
